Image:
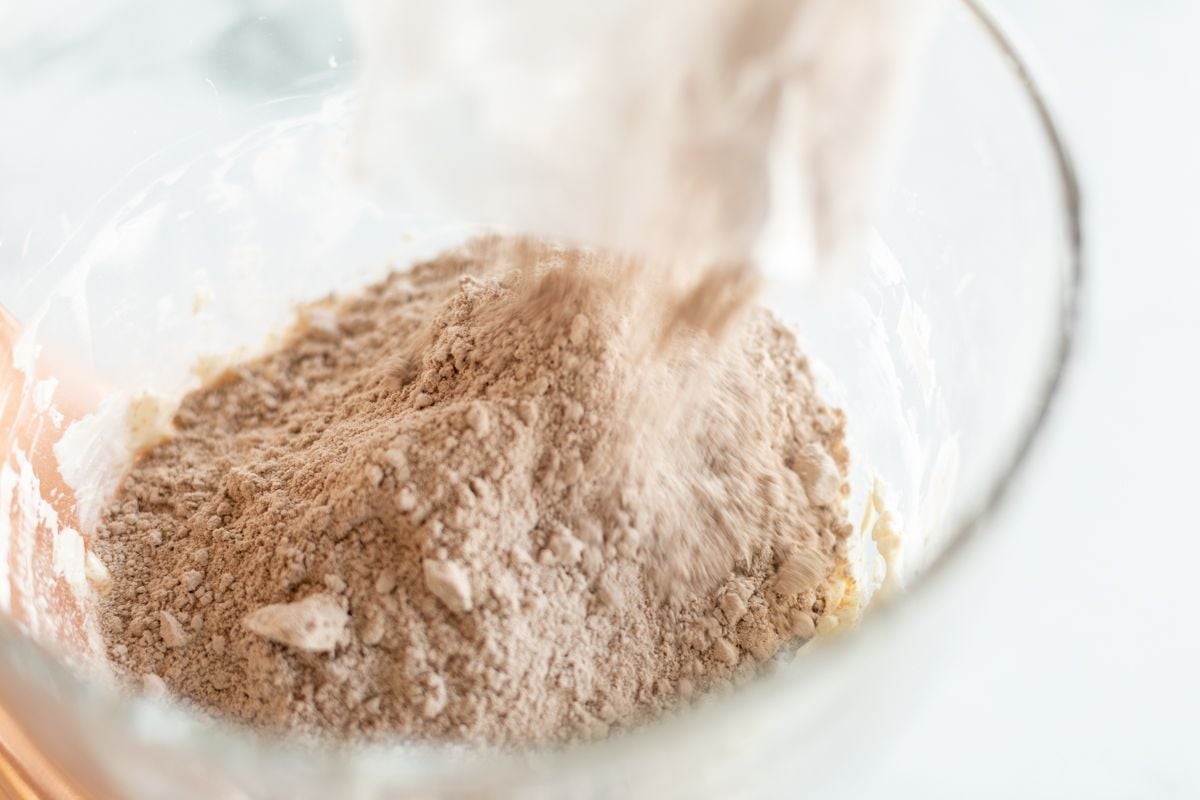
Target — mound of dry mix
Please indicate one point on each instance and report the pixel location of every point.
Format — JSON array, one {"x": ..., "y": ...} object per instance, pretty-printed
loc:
[{"x": 498, "y": 498}]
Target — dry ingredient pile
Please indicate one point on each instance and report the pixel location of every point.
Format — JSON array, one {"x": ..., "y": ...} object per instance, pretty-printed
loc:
[{"x": 496, "y": 499}]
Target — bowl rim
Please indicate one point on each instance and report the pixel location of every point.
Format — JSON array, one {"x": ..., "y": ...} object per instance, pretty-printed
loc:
[{"x": 227, "y": 743}]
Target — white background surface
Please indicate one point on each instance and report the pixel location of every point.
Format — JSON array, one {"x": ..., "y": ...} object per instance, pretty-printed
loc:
[{"x": 1078, "y": 675}]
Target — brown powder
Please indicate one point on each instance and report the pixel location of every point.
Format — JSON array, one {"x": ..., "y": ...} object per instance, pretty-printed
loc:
[{"x": 472, "y": 503}]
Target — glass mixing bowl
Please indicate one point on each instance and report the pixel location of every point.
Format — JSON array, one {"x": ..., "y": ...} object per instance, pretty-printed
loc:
[{"x": 173, "y": 185}]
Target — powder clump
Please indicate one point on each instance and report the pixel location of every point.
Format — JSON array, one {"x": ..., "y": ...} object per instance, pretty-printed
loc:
[
  {"x": 313, "y": 625},
  {"x": 500, "y": 498}
]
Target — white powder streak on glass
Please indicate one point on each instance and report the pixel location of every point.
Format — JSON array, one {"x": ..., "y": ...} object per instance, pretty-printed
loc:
[
  {"x": 68, "y": 560},
  {"x": 913, "y": 330},
  {"x": 93, "y": 454},
  {"x": 34, "y": 511},
  {"x": 9, "y": 480}
]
